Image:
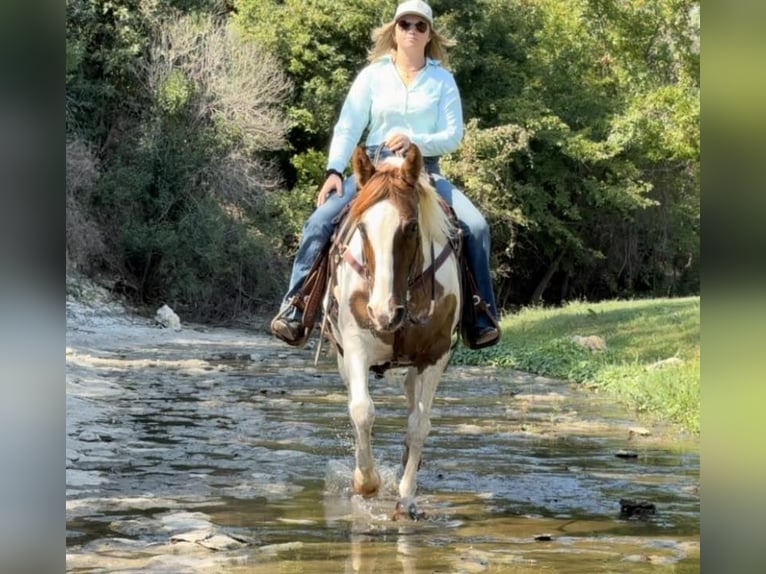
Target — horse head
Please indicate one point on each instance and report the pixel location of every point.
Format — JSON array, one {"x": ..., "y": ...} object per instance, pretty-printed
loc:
[{"x": 388, "y": 221}]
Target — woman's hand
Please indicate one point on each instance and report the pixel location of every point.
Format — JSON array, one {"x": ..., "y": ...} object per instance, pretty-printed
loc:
[
  {"x": 398, "y": 143},
  {"x": 332, "y": 183}
]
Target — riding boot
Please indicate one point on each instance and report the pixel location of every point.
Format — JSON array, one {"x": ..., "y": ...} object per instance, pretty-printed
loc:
[
  {"x": 288, "y": 326},
  {"x": 485, "y": 332},
  {"x": 480, "y": 327}
]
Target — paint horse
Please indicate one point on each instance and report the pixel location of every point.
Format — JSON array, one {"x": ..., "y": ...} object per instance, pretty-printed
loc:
[{"x": 393, "y": 301}]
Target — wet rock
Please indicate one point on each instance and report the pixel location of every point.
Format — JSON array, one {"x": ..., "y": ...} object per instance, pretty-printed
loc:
[
  {"x": 299, "y": 521},
  {"x": 81, "y": 479},
  {"x": 88, "y": 436},
  {"x": 285, "y": 547},
  {"x": 470, "y": 429},
  {"x": 193, "y": 536},
  {"x": 231, "y": 357},
  {"x": 638, "y": 431},
  {"x": 475, "y": 560},
  {"x": 180, "y": 522},
  {"x": 626, "y": 454},
  {"x": 630, "y": 508},
  {"x": 651, "y": 559},
  {"x": 208, "y": 539},
  {"x": 221, "y": 542},
  {"x": 133, "y": 527}
]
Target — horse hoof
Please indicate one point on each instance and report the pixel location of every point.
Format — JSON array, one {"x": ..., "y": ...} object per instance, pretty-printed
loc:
[
  {"x": 410, "y": 512},
  {"x": 366, "y": 492},
  {"x": 367, "y": 488}
]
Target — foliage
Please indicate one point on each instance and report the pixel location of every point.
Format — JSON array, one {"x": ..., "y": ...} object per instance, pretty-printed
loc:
[
  {"x": 321, "y": 47},
  {"x": 484, "y": 167},
  {"x": 202, "y": 76},
  {"x": 582, "y": 141},
  {"x": 611, "y": 151},
  {"x": 182, "y": 192},
  {"x": 583, "y": 131},
  {"x": 180, "y": 245},
  {"x": 638, "y": 334},
  {"x": 105, "y": 40}
]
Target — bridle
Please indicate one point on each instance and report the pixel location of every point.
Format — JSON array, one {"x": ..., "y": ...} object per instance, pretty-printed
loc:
[{"x": 415, "y": 277}]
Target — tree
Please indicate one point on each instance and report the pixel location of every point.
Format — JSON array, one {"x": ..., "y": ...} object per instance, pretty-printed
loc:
[
  {"x": 582, "y": 141},
  {"x": 182, "y": 192},
  {"x": 607, "y": 99}
]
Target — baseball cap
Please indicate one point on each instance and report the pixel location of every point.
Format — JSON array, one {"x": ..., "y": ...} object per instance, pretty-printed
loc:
[{"x": 414, "y": 7}]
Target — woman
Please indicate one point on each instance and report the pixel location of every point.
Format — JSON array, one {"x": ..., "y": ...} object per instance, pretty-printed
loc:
[{"x": 404, "y": 96}]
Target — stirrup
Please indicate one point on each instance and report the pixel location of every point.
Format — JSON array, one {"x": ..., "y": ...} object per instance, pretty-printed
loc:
[
  {"x": 489, "y": 336},
  {"x": 291, "y": 331},
  {"x": 478, "y": 338}
]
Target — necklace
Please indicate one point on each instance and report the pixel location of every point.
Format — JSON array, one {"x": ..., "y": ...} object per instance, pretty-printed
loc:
[{"x": 408, "y": 74}]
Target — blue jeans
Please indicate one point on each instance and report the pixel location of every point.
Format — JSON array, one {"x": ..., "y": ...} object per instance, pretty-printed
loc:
[{"x": 320, "y": 226}]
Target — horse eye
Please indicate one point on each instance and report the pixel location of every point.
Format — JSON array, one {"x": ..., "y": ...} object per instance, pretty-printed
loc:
[{"x": 411, "y": 227}]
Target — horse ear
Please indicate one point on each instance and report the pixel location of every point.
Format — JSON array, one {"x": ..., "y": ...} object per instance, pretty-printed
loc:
[
  {"x": 413, "y": 163},
  {"x": 363, "y": 168}
]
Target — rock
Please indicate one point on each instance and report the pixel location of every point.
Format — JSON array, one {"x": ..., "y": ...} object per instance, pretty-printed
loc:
[
  {"x": 194, "y": 536},
  {"x": 650, "y": 559},
  {"x": 640, "y": 431},
  {"x": 284, "y": 547},
  {"x": 626, "y": 454},
  {"x": 220, "y": 542},
  {"x": 638, "y": 508},
  {"x": 88, "y": 436},
  {"x": 592, "y": 342},
  {"x": 167, "y": 318}
]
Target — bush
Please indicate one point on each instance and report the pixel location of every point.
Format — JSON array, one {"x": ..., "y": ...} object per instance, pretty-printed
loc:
[
  {"x": 85, "y": 246},
  {"x": 184, "y": 199}
]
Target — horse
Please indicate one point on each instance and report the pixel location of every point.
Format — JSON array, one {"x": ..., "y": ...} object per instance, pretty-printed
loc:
[{"x": 393, "y": 300}]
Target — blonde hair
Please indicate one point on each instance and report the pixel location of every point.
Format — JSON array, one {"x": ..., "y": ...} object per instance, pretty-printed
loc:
[{"x": 384, "y": 43}]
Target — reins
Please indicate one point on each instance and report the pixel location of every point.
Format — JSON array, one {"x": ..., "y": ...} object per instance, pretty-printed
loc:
[{"x": 340, "y": 243}]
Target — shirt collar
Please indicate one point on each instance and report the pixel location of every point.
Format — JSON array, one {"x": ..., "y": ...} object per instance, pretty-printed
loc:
[{"x": 429, "y": 61}]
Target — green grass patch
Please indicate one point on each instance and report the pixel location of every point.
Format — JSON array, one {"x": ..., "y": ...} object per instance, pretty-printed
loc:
[{"x": 638, "y": 334}]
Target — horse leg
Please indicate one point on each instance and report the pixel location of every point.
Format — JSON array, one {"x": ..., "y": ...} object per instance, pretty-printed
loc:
[
  {"x": 409, "y": 390},
  {"x": 362, "y": 411},
  {"x": 420, "y": 389}
]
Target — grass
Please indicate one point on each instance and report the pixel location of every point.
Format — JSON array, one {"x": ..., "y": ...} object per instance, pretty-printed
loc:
[{"x": 638, "y": 334}]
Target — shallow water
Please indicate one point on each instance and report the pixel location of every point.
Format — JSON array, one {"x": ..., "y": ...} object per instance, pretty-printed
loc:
[{"x": 223, "y": 450}]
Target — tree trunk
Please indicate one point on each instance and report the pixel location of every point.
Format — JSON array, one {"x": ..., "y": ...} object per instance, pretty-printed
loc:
[{"x": 537, "y": 295}]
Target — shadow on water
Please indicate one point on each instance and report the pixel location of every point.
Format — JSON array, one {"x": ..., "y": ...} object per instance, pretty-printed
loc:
[{"x": 220, "y": 450}]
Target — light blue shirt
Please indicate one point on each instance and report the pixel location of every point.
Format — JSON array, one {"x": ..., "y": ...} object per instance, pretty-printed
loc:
[{"x": 428, "y": 111}]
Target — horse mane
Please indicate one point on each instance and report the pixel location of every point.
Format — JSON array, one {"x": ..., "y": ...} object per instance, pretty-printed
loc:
[
  {"x": 435, "y": 225},
  {"x": 433, "y": 222}
]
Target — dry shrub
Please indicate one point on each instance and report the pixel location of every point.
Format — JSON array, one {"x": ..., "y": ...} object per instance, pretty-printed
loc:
[
  {"x": 236, "y": 85},
  {"x": 85, "y": 246}
]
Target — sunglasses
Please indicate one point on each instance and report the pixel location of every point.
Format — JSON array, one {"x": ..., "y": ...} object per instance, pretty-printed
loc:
[{"x": 420, "y": 26}]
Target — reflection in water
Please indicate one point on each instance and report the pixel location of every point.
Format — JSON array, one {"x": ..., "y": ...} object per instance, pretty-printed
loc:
[
  {"x": 365, "y": 556},
  {"x": 176, "y": 463}
]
